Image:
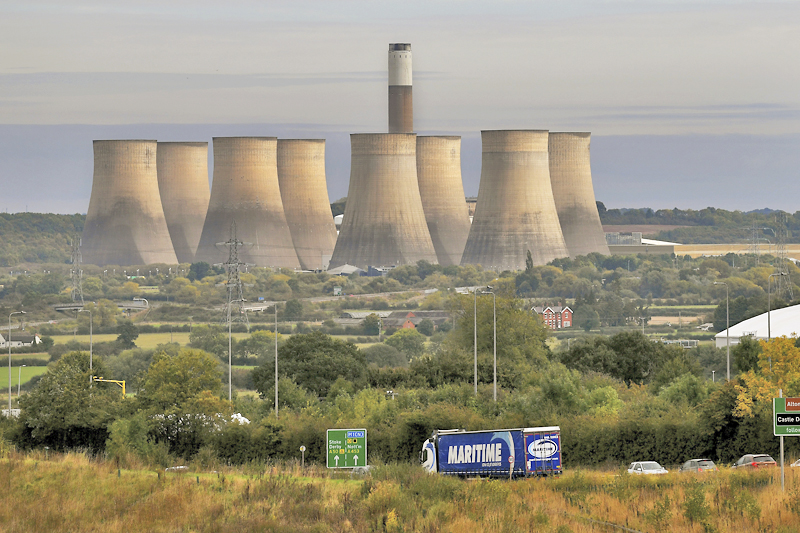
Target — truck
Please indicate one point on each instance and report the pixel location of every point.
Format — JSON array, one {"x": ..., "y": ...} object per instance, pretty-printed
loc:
[{"x": 511, "y": 453}]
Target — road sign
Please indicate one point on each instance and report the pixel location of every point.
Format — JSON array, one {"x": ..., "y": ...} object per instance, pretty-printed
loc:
[
  {"x": 347, "y": 448},
  {"x": 786, "y": 416}
]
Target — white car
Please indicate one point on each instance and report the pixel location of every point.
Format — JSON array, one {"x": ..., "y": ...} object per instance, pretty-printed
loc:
[
  {"x": 646, "y": 467},
  {"x": 795, "y": 464}
]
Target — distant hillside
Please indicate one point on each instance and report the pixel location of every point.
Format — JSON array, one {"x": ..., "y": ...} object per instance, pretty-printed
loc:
[
  {"x": 37, "y": 237},
  {"x": 706, "y": 226}
]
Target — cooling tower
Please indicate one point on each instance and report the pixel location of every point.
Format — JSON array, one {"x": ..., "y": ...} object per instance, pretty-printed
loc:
[
  {"x": 515, "y": 212},
  {"x": 304, "y": 191},
  {"x": 401, "y": 108},
  {"x": 183, "y": 184},
  {"x": 125, "y": 223},
  {"x": 571, "y": 177},
  {"x": 245, "y": 189},
  {"x": 442, "y": 193},
  {"x": 383, "y": 221}
]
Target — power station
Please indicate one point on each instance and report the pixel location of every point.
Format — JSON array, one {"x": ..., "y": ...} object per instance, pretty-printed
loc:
[
  {"x": 125, "y": 222},
  {"x": 304, "y": 192},
  {"x": 245, "y": 190},
  {"x": 384, "y": 223},
  {"x": 183, "y": 184},
  {"x": 401, "y": 106},
  {"x": 571, "y": 177},
  {"x": 150, "y": 202},
  {"x": 442, "y": 192},
  {"x": 516, "y": 213}
]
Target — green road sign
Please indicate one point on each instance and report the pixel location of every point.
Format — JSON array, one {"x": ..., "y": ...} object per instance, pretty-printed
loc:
[
  {"x": 347, "y": 448},
  {"x": 786, "y": 416}
]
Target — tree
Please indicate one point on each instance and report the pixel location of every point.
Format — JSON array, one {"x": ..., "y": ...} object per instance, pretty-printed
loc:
[
  {"x": 173, "y": 381},
  {"x": 313, "y": 361},
  {"x": 586, "y": 318},
  {"x": 426, "y": 327},
  {"x": 210, "y": 339},
  {"x": 293, "y": 310},
  {"x": 257, "y": 349},
  {"x": 778, "y": 369},
  {"x": 384, "y": 355},
  {"x": 371, "y": 324},
  {"x": 127, "y": 334},
  {"x": 745, "y": 354},
  {"x": 181, "y": 395},
  {"x": 638, "y": 358},
  {"x": 64, "y": 410},
  {"x": 199, "y": 270},
  {"x": 130, "y": 365},
  {"x": 409, "y": 341}
]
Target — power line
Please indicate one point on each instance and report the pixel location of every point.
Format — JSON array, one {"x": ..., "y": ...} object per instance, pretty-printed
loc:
[{"x": 235, "y": 311}]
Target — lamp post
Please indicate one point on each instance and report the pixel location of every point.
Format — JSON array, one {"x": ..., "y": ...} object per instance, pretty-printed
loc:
[
  {"x": 494, "y": 334},
  {"x": 276, "y": 359},
  {"x": 8, "y": 341},
  {"x": 146, "y": 303},
  {"x": 91, "y": 338},
  {"x": 475, "y": 338},
  {"x": 727, "y": 326},
  {"x": 19, "y": 380},
  {"x": 769, "y": 302}
]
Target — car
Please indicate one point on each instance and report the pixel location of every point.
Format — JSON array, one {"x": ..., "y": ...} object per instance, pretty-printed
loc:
[
  {"x": 646, "y": 467},
  {"x": 758, "y": 460},
  {"x": 795, "y": 464},
  {"x": 698, "y": 465}
]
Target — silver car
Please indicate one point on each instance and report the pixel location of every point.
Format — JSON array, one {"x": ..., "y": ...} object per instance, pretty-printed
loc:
[
  {"x": 646, "y": 468},
  {"x": 698, "y": 465}
]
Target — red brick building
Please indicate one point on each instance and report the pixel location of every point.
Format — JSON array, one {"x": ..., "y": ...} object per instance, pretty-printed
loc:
[{"x": 555, "y": 317}]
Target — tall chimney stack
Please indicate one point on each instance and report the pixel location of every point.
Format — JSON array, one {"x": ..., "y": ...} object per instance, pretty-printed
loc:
[{"x": 401, "y": 108}]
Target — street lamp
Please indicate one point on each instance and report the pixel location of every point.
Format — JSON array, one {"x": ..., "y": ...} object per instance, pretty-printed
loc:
[
  {"x": 727, "y": 325},
  {"x": 494, "y": 334},
  {"x": 146, "y": 303},
  {"x": 19, "y": 380},
  {"x": 230, "y": 351},
  {"x": 9, "y": 357},
  {"x": 769, "y": 302},
  {"x": 475, "y": 338},
  {"x": 91, "y": 338},
  {"x": 276, "y": 359}
]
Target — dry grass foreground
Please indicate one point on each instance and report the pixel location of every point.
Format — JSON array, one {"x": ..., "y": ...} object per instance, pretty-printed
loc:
[{"x": 75, "y": 493}]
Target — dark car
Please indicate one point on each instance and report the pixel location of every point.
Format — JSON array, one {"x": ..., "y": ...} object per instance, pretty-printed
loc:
[
  {"x": 698, "y": 465},
  {"x": 760, "y": 460}
]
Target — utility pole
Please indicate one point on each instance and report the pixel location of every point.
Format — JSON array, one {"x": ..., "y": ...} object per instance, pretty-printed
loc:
[
  {"x": 76, "y": 273},
  {"x": 235, "y": 296}
]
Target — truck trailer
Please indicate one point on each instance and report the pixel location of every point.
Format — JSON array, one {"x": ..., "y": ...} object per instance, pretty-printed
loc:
[{"x": 520, "y": 452}]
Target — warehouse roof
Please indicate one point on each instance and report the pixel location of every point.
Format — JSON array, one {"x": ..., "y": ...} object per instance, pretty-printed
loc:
[{"x": 785, "y": 321}]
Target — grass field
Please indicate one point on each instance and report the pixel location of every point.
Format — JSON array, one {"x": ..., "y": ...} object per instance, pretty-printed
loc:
[
  {"x": 75, "y": 493},
  {"x": 27, "y": 373},
  {"x": 147, "y": 341}
]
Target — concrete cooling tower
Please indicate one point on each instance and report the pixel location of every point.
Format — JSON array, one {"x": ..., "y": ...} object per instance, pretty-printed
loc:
[
  {"x": 245, "y": 189},
  {"x": 383, "y": 221},
  {"x": 571, "y": 177},
  {"x": 183, "y": 184},
  {"x": 304, "y": 192},
  {"x": 401, "y": 107},
  {"x": 125, "y": 223},
  {"x": 515, "y": 212},
  {"x": 442, "y": 193}
]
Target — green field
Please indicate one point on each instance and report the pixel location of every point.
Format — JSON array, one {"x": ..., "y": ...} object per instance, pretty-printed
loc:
[
  {"x": 147, "y": 341},
  {"x": 28, "y": 372}
]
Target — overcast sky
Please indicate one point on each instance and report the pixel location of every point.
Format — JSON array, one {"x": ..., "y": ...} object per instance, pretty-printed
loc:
[{"x": 690, "y": 104}]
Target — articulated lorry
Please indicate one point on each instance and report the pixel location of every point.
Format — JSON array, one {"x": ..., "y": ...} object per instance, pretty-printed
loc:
[{"x": 510, "y": 453}]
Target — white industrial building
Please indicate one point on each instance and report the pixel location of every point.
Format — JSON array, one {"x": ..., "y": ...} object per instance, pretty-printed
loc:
[{"x": 782, "y": 322}]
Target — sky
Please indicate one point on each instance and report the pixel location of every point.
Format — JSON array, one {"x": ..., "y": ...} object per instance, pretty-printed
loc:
[{"x": 690, "y": 104}]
